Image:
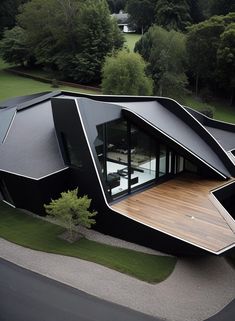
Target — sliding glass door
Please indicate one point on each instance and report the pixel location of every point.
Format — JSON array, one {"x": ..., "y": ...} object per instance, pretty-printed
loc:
[
  {"x": 130, "y": 158},
  {"x": 142, "y": 157}
]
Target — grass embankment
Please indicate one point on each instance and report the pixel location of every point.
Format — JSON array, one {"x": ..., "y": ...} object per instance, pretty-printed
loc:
[
  {"x": 22, "y": 229},
  {"x": 223, "y": 111},
  {"x": 13, "y": 85}
]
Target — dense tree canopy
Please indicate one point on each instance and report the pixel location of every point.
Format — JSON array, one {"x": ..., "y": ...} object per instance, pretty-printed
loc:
[
  {"x": 165, "y": 52},
  {"x": 203, "y": 43},
  {"x": 14, "y": 47},
  {"x": 141, "y": 13},
  {"x": 116, "y": 5},
  {"x": 124, "y": 74},
  {"x": 8, "y": 11},
  {"x": 72, "y": 36},
  {"x": 226, "y": 60},
  {"x": 173, "y": 14},
  {"x": 221, "y": 7}
]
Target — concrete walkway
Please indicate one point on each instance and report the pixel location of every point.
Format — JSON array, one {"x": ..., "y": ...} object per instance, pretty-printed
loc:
[{"x": 197, "y": 289}]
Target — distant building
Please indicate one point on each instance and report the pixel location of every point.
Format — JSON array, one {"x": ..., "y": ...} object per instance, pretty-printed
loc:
[{"x": 123, "y": 21}]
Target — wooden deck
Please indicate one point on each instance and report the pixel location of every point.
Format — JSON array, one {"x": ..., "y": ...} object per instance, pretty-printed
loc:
[{"x": 182, "y": 208}]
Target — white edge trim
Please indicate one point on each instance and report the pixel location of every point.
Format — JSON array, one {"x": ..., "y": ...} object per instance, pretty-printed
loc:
[
  {"x": 226, "y": 215},
  {"x": 204, "y": 127},
  {"x": 9, "y": 203},
  {"x": 178, "y": 143},
  {"x": 34, "y": 178},
  {"x": 138, "y": 221},
  {"x": 9, "y": 127}
]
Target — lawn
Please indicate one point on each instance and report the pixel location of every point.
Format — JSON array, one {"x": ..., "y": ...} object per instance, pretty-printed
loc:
[
  {"x": 22, "y": 229},
  {"x": 12, "y": 85},
  {"x": 131, "y": 39},
  {"x": 223, "y": 111}
]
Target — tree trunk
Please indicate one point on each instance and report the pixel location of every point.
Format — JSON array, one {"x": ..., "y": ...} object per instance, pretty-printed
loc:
[{"x": 142, "y": 30}]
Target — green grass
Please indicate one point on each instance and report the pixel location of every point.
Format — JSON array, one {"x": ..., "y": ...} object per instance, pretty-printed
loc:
[
  {"x": 223, "y": 111},
  {"x": 13, "y": 85},
  {"x": 22, "y": 229},
  {"x": 131, "y": 39}
]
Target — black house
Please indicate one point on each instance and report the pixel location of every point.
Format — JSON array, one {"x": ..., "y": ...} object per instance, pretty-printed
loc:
[{"x": 159, "y": 174}]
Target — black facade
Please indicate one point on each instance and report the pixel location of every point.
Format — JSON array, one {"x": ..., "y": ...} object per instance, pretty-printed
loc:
[{"x": 110, "y": 147}]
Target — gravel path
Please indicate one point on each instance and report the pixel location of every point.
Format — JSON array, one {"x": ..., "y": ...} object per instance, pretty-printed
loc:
[{"x": 196, "y": 290}]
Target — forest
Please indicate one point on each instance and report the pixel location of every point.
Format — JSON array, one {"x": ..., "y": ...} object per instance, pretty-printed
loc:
[{"x": 185, "y": 45}]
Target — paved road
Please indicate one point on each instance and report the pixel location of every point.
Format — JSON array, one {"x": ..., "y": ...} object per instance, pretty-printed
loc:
[
  {"x": 27, "y": 296},
  {"x": 227, "y": 314}
]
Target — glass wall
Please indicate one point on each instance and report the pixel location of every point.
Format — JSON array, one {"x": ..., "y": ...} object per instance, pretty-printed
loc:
[
  {"x": 143, "y": 157},
  {"x": 117, "y": 151},
  {"x": 130, "y": 158},
  {"x": 162, "y": 160}
]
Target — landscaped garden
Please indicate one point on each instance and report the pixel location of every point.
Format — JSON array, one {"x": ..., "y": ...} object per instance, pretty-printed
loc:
[{"x": 34, "y": 233}]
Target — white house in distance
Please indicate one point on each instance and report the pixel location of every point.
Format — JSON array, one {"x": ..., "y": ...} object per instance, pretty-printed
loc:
[{"x": 122, "y": 20}]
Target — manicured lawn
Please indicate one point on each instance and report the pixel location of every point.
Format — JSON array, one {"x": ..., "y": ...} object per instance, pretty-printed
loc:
[
  {"x": 22, "y": 229},
  {"x": 131, "y": 39},
  {"x": 12, "y": 85},
  {"x": 223, "y": 111}
]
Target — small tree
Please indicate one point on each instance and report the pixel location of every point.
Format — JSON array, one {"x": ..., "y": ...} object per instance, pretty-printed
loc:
[
  {"x": 124, "y": 74},
  {"x": 72, "y": 211}
]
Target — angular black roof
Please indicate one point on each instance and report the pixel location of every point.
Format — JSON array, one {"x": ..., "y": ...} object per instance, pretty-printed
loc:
[{"x": 29, "y": 147}]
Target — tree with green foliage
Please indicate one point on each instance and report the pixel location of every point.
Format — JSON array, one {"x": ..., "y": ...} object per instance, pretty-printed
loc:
[
  {"x": 99, "y": 35},
  {"x": 165, "y": 53},
  {"x": 196, "y": 11},
  {"x": 124, "y": 74},
  {"x": 116, "y": 5},
  {"x": 221, "y": 7},
  {"x": 226, "y": 60},
  {"x": 14, "y": 48},
  {"x": 141, "y": 13},
  {"x": 72, "y": 211},
  {"x": 8, "y": 11},
  {"x": 203, "y": 41},
  {"x": 171, "y": 14},
  {"x": 70, "y": 36}
]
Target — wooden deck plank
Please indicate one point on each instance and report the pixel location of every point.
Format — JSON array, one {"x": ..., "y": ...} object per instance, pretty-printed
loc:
[{"x": 169, "y": 207}]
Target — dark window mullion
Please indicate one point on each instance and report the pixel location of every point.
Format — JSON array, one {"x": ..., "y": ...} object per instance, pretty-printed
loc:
[{"x": 129, "y": 155}]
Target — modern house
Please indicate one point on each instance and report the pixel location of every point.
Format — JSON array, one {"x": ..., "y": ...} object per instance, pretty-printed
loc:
[{"x": 159, "y": 174}]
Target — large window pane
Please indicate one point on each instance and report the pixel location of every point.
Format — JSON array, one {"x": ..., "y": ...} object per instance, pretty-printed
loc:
[
  {"x": 117, "y": 157},
  {"x": 143, "y": 157},
  {"x": 162, "y": 160}
]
